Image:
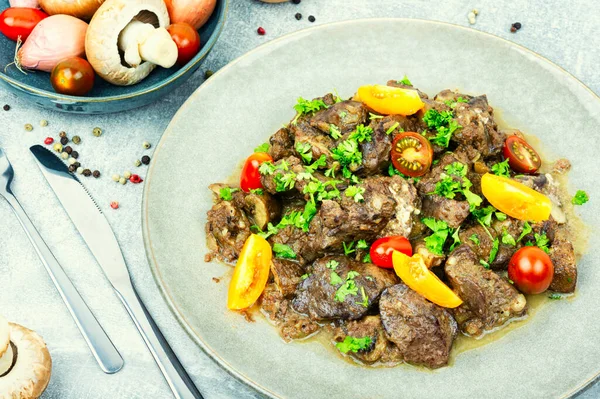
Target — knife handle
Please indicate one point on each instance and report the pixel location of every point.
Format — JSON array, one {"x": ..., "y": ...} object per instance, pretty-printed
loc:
[
  {"x": 102, "y": 348},
  {"x": 179, "y": 381}
]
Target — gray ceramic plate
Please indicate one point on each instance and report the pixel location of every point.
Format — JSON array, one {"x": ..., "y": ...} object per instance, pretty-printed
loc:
[{"x": 554, "y": 355}]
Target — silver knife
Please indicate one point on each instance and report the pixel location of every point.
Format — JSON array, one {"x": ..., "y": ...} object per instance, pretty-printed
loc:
[{"x": 100, "y": 239}]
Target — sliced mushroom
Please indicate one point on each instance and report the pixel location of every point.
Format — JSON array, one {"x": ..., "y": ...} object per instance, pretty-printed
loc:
[
  {"x": 262, "y": 209},
  {"x": 25, "y": 366},
  {"x": 126, "y": 39}
]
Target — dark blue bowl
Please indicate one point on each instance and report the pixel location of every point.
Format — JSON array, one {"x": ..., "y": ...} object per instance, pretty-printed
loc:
[{"x": 105, "y": 97}]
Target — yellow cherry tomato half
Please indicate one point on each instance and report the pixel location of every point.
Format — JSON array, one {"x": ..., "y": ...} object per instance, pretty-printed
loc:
[
  {"x": 414, "y": 272},
  {"x": 515, "y": 199},
  {"x": 390, "y": 100},
  {"x": 251, "y": 273}
]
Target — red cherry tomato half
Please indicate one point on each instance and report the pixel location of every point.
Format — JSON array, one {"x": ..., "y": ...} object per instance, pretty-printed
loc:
[
  {"x": 17, "y": 21},
  {"x": 73, "y": 76},
  {"x": 382, "y": 249},
  {"x": 411, "y": 154},
  {"x": 250, "y": 179},
  {"x": 531, "y": 270},
  {"x": 187, "y": 40},
  {"x": 521, "y": 156}
]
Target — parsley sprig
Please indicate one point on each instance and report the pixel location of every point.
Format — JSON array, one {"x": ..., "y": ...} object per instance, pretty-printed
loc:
[
  {"x": 456, "y": 182},
  {"x": 443, "y": 123},
  {"x": 264, "y": 147},
  {"x": 580, "y": 198},
  {"x": 348, "y": 287},
  {"x": 304, "y": 107},
  {"x": 441, "y": 231},
  {"x": 405, "y": 81},
  {"x": 304, "y": 150},
  {"x": 501, "y": 169},
  {"x": 353, "y": 344},
  {"x": 225, "y": 193},
  {"x": 283, "y": 251},
  {"x": 347, "y": 152}
]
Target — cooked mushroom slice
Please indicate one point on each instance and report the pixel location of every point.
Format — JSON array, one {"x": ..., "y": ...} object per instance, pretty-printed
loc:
[
  {"x": 25, "y": 366},
  {"x": 136, "y": 29},
  {"x": 262, "y": 209}
]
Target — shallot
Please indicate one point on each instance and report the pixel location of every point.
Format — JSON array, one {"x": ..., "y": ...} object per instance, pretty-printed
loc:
[
  {"x": 52, "y": 40},
  {"x": 24, "y": 3}
]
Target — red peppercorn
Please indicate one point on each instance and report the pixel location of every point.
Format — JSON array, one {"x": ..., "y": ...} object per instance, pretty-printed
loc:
[
  {"x": 261, "y": 31},
  {"x": 114, "y": 205},
  {"x": 49, "y": 140},
  {"x": 135, "y": 179}
]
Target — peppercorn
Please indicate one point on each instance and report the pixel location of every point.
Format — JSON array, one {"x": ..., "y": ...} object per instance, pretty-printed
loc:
[
  {"x": 114, "y": 204},
  {"x": 58, "y": 147},
  {"x": 75, "y": 154},
  {"x": 146, "y": 145},
  {"x": 96, "y": 174},
  {"x": 123, "y": 180},
  {"x": 68, "y": 149},
  {"x": 43, "y": 123},
  {"x": 261, "y": 31},
  {"x": 127, "y": 174},
  {"x": 6, "y": 107},
  {"x": 137, "y": 162},
  {"x": 208, "y": 73},
  {"x": 28, "y": 127},
  {"x": 311, "y": 18},
  {"x": 76, "y": 139},
  {"x": 135, "y": 179},
  {"x": 80, "y": 170},
  {"x": 87, "y": 172},
  {"x": 296, "y": 1},
  {"x": 62, "y": 134},
  {"x": 72, "y": 168},
  {"x": 48, "y": 140},
  {"x": 97, "y": 132},
  {"x": 515, "y": 27},
  {"x": 64, "y": 140},
  {"x": 115, "y": 177},
  {"x": 298, "y": 16},
  {"x": 77, "y": 164},
  {"x": 64, "y": 155},
  {"x": 72, "y": 161},
  {"x": 146, "y": 160}
]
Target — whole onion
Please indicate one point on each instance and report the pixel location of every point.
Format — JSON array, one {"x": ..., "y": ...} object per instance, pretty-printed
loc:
[
  {"x": 193, "y": 12},
  {"x": 52, "y": 40},
  {"x": 83, "y": 9}
]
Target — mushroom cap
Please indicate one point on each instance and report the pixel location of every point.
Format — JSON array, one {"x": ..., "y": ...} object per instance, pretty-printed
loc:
[
  {"x": 103, "y": 33},
  {"x": 82, "y": 9},
  {"x": 31, "y": 372},
  {"x": 4, "y": 335}
]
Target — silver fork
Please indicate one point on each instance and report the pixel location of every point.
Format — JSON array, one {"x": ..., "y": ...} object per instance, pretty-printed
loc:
[{"x": 102, "y": 348}]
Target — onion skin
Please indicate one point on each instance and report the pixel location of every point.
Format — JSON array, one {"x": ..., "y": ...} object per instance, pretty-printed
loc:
[
  {"x": 24, "y": 3},
  {"x": 51, "y": 41},
  {"x": 82, "y": 9},
  {"x": 193, "y": 12}
]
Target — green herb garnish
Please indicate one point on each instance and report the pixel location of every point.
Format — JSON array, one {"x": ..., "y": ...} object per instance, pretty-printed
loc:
[
  {"x": 353, "y": 344},
  {"x": 225, "y": 193},
  {"x": 307, "y": 107},
  {"x": 283, "y": 251},
  {"x": 580, "y": 198},
  {"x": 356, "y": 193},
  {"x": 405, "y": 81},
  {"x": 304, "y": 150},
  {"x": 264, "y": 147},
  {"x": 501, "y": 169},
  {"x": 435, "y": 242}
]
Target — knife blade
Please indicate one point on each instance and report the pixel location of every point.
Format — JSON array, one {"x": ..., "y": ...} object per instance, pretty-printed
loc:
[{"x": 93, "y": 226}]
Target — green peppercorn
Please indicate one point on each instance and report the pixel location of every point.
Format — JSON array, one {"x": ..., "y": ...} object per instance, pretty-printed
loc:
[
  {"x": 43, "y": 123},
  {"x": 116, "y": 177},
  {"x": 64, "y": 155},
  {"x": 28, "y": 127},
  {"x": 208, "y": 74},
  {"x": 77, "y": 164},
  {"x": 127, "y": 174},
  {"x": 97, "y": 132},
  {"x": 87, "y": 172},
  {"x": 146, "y": 160},
  {"x": 123, "y": 180},
  {"x": 146, "y": 145},
  {"x": 76, "y": 139},
  {"x": 137, "y": 162},
  {"x": 58, "y": 147}
]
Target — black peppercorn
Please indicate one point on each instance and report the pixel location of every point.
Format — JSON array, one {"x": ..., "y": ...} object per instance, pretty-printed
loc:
[
  {"x": 75, "y": 154},
  {"x": 311, "y": 18},
  {"x": 77, "y": 164},
  {"x": 96, "y": 174},
  {"x": 64, "y": 140},
  {"x": 68, "y": 149},
  {"x": 72, "y": 168},
  {"x": 296, "y": 1},
  {"x": 515, "y": 27},
  {"x": 6, "y": 107},
  {"x": 146, "y": 160},
  {"x": 298, "y": 16},
  {"x": 87, "y": 172}
]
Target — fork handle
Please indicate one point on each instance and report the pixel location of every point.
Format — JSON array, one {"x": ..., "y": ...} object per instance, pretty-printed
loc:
[{"x": 102, "y": 348}]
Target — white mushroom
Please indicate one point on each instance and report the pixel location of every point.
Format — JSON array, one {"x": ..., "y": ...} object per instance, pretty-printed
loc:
[
  {"x": 25, "y": 363},
  {"x": 126, "y": 39}
]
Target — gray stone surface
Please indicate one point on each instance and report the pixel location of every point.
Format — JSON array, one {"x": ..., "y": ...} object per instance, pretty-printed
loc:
[{"x": 567, "y": 34}]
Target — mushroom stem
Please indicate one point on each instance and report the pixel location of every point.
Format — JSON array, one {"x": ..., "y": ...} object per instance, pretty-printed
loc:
[
  {"x": 140, "y": 41},
  {"x": 6, "y": 361}
]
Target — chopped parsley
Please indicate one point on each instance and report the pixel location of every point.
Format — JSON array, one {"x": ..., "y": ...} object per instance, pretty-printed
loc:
[
  {"x": 443, "y": 123},
  {"x": 484, "y": 263},
  {"x": 283, "y": 251},
  {"x": 484, "y": 216},
  {"x": 541, "y": 241},
  {"x": 334, "y": 132},
  {"x": 347, "y": 288},
  {"x": 526, "y": 230},
  {"x": 405, "y": 81},
  {"x": 319, "y": 190},
  {"x": 304, "y": 277},
  {"x": 348, "y": 155},
  {"x": 367, "y": 259},
  {"x": 555, "y": 296},
  {"x": 257, "y": 191},
  {"x": 335, "y": 279},
  {"x": 284, "y": 182},
  {"x": 456, "y": 239},
  {"x": 266, "y": 168},
  {"x": 435, "y": 242},
  {"x": 304, "y": 150},
  {"x": 501, "y": 169},
  {"x": 580, "y": 198},
  {"x": 225, "y": 193},
  {"x": 348, "y": 249},
  {"x": 300, "y": 220},
  {"x": 392, "y": 128},
  {"x": 449, "y": 186},
  {"x": 507, "y": 239},
  {"x": 332, "y": 264},
  {"x": 362, "y": 244},
  {"x": 356, "y": 193},
  {"x": 365, "y": 298},
  {"x": 362, "y": 133},
  {"x": 353, "y": 344},
  {"x": 303, "y": 107},
  {"x": 474, "y": 238},
  {"x": 264, "y": 147}
]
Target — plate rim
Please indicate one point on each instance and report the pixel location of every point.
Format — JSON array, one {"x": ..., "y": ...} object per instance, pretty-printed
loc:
[{"x": 153, "y": 264}]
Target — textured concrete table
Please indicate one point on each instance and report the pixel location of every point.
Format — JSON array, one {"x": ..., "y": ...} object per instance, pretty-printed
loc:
[{"x": 569, "y": 36}]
